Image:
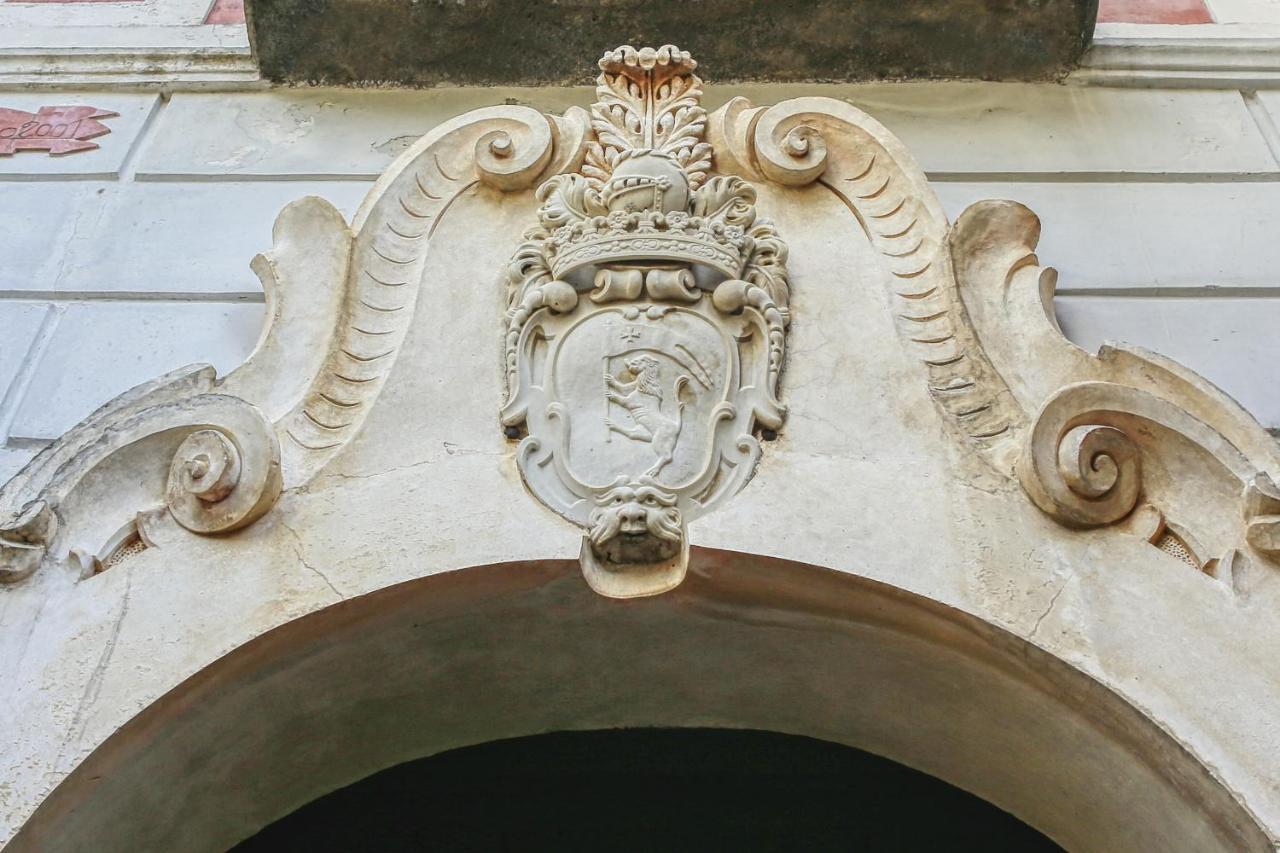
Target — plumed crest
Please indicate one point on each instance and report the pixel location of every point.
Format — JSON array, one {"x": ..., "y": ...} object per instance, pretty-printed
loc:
[{"x": 648, "y": 100}]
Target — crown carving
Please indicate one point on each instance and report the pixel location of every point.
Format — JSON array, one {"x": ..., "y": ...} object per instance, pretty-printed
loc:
[
  {"x": 623, "y": 233},
  {"x": 644, "y": 194}
]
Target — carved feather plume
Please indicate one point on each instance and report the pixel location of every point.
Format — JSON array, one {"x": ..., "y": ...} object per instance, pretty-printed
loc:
[{"x": 648, "y": 100}]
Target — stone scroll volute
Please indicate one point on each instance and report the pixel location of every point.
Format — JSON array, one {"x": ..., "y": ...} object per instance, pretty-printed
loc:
[
  {"x": 194, "y": 454},
  {"x": 973, "y": 304}
]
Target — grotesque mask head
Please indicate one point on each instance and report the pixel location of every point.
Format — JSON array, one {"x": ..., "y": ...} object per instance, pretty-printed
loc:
[{"x": 635, "y": 522}]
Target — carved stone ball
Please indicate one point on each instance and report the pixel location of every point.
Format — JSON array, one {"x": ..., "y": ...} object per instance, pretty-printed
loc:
[
  {"x": 730, "y": 296},
  {"x": 560, "y": 296},
  {"x": 648, "y": 182}
]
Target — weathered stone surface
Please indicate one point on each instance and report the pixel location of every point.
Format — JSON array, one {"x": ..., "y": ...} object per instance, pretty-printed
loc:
[
  {"x": 974, "y": 547},
  {"x": 646, "y": 328},
  {"x": 493, "y": 42},
  {"x": 133, "y": 344},
  {"x": 957, "y": 129}
]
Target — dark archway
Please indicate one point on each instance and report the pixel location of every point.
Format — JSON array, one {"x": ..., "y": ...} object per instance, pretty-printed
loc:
[{"x": 650, "y": 789}]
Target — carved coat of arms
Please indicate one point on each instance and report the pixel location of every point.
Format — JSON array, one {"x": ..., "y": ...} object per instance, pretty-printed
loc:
[{"x": 646, "y": 329}]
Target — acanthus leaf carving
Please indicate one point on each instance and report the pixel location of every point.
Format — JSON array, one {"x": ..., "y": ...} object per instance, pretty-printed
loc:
[
  {"x": 648, "y": 100},
  {"x": 645, "y": 336}
]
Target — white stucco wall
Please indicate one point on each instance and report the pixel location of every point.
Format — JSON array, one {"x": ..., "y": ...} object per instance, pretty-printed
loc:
[{"x": 1159, "y": 209}]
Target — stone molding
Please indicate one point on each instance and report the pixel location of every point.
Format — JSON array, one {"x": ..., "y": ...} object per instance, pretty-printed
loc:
[
  {"x": 1207, "y": 56},
  {"x": 137, "y": 57}
]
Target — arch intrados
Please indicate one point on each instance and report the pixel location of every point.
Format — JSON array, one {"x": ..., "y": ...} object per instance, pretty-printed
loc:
[{"x": 747, "y": 641}]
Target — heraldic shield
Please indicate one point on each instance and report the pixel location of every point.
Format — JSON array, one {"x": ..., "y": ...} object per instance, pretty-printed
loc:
[{"x": 645, "y": 330}]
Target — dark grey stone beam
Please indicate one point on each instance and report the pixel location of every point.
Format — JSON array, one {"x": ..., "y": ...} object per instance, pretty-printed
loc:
[{"x": 524, "y": 42}]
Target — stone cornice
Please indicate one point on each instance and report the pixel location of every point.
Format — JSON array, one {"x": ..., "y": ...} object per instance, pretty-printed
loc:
[
  {"x": 1211, "y": 56},
  {"x": 154, "y": 57}
]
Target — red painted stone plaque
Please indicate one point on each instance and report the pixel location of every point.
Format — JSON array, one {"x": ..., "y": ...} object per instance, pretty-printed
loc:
[{"x": 58, "y": 130}]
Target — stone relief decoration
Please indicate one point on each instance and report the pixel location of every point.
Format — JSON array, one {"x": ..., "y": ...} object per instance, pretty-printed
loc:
[
  {"x": 646, "y": 329},
  {"x": 193, "y": 454},
  {"x": 643, "y": 342},
  {"x": 1124, "y": 438}
]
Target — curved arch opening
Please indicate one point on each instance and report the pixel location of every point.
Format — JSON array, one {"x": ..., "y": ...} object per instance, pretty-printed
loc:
[
  {"x": 747, "y": 642},
  {"x": 650, "y": 789}
]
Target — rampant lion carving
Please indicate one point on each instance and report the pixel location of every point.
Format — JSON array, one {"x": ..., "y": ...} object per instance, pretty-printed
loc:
[{"x": 642, "y": 398}]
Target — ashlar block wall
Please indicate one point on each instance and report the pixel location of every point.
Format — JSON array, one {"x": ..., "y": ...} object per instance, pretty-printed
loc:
[{"x": 1160, "y": 210}]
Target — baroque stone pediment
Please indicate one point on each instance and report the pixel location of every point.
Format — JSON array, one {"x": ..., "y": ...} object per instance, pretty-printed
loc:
[
  {"x": 644, "y": 345},
  {"x": 737, "y": 361}
]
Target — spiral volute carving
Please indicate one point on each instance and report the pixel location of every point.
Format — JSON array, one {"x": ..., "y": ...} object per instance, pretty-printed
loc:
[
  {"x": 789, "y": 150},
  {"x": 225, "y": 474},
  {"x": 1077, "y": 468},
  {"x": 512, "y": 157}
]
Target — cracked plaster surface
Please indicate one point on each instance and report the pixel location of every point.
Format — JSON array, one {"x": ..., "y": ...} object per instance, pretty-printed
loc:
[{"x": 863, "y": 480}]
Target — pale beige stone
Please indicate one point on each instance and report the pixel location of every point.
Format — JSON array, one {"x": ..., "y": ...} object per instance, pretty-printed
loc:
[
  {"x": 646, "y": 329},
  {"x": 1043, "y": 574}
]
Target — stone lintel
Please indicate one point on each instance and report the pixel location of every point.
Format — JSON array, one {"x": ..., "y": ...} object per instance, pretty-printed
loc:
[{"x": 489, "y": 42}]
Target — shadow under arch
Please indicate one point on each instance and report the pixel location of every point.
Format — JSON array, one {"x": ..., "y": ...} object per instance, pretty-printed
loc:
[
  {"x": 641, "y": 790},
  {"x": 752, "y": 642}
]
